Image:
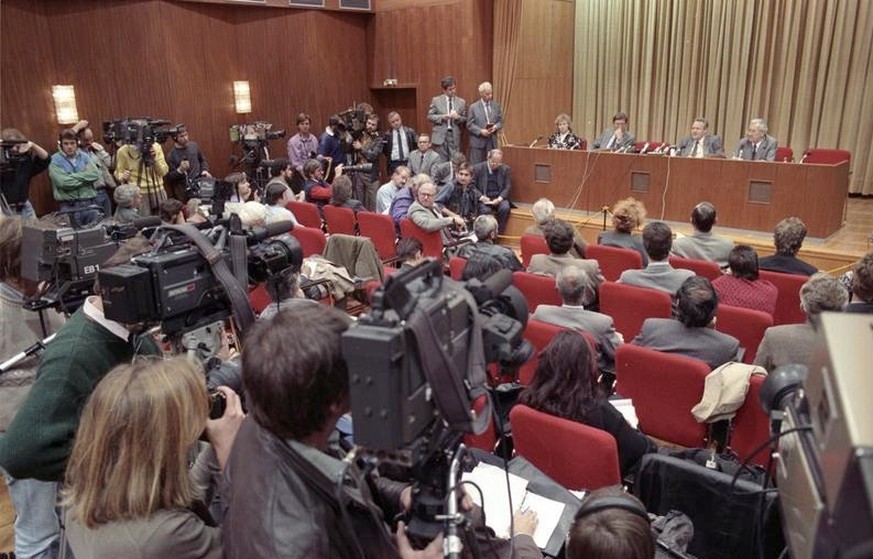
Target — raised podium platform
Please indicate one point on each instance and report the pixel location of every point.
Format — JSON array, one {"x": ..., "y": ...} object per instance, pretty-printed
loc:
[{"x": 753, "y": 195}]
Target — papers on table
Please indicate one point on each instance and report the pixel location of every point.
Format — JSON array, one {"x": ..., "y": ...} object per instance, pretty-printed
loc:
[
  {"x": 626, "y": 407},
  {"x": 492, "y": 481}
]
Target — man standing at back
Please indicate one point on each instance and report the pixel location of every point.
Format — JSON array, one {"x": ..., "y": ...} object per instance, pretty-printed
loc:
[
  {"x": 186, "y": 163},
  {"x": 484, "y": 121},
  {"x": 399, "y": 141},
  {"x": 423, "y": 159},
  {"x": 73, "y": 176},
  {"x": 448, "y": 113},
  {"x": 702, "y": 244}
]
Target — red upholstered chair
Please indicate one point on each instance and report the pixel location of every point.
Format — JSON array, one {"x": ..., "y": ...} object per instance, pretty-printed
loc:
[
  {"x": 259, "y": 298},
  {"x": 573, "y": 454},
  {"x": 537, "y": 289},
  {"x": 340, "y": 220},
  {"x": 530, "y": 245},
  {"x": 432, "y": 242},
  {"x": 380, "y": 229},
  {"x": 456, "y": 267},
  {"x": 539, "y": 334},
  {"x": 487, "y": 441},
  {"x": 312, "y": 240},
  {"x": 705, "y": 268},
  {"x": 751, "y": 426},
  {"x": 664, "y": 387},
  {"x": 746, "y": 325},
  {"x": 784, "y": 154},
  {"x": 614, "y": 260},
  {"x": 638, "y": 147},
  {"x": 629, "y": 306},
  {"x": 788, "y": 300},
  {"x": 307, "y": 214},
  {"x": 826, "y": 156}
]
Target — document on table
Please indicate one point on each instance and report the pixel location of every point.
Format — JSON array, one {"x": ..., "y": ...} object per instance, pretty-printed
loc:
[{"x": 492, "y": 481}]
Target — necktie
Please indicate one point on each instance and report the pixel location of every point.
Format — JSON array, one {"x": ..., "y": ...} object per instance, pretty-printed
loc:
[
  {"x": 487, "y": 114},
  {"x": 611, "y": 143},
  {"x": 754, "y": 151},
  {"x": 399, "y": 146},
  {"x": 421, "y": 163},
  {"x": 696, "y": 148},
  {"x": 449, "y": 105}
]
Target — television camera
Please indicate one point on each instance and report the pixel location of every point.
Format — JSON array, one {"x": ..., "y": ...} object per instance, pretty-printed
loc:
[
  {"x": 9, "y": 154},
  {"x": 140, "y": 132},
  {"x": 824, "y": 464},
  {"x": 253, "y": 138},
  {"x": 417, "y": 363}
]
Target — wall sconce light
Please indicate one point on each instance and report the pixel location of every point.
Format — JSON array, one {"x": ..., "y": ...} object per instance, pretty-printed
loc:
[
  {"x": 65, "y": 104},
  {"x": 242, "y": 97}
]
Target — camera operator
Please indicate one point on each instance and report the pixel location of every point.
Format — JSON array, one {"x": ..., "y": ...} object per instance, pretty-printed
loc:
[
  {"x": 330, "y": 148},
  {"x": 367, "y": 150},
  {"x": 300, "y": 498},
  {"x": 73, "y": 175},
  {"x": 185, "y": 162},
  {"x": 35, "y": 448},
  {"x": 29, "y": 160},
  {"x": 102, "y": 160},
  {"x": 146, "y": 173},
  {"x": 316, "y": 189}
]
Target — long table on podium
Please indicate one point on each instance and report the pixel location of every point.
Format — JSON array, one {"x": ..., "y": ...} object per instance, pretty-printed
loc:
[{"x": 753, "y": 195}]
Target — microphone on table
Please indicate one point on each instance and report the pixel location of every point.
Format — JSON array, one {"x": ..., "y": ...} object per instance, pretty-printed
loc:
[{"x": 535, "y": 142}]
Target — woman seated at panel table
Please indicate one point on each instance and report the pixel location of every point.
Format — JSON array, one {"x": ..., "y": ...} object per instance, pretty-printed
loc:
[
  {"x": 564, "y": 138},
  {"x": 565, "y": 386},
  {"x": 627, "y": 215}
]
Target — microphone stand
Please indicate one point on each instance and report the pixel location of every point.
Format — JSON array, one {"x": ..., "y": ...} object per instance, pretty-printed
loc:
[
  {"x": 18, "y": 358},
  {"x": 605, "y": 210}
]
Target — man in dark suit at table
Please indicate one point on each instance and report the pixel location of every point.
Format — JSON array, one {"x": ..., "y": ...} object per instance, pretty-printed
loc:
[
  {"x": 448, "y": 113},
  {"x": 616, "y": 138},
  {"x": 399, "y": 141},
  {"x": 757, "y": 145},
  {"x": 484, "y": 121},
  {"x": 701, "y": 143},
  {"x": 494, "y": 181}
]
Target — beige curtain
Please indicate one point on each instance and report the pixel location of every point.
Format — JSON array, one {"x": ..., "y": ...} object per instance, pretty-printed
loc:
[
  {"x": 507, "y": 26},
  {"x": 805, "y": 66}
]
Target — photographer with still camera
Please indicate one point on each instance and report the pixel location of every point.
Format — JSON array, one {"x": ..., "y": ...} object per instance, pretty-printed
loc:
[
  {"x": 73, "y": 176},
  {"x": 333, "y": 146},
  {"x": 141, "y": 161},
  {"x": 20, "y": 161},
  {"x": 367, "y": 149},
  {"x": 186, "y": 163}
]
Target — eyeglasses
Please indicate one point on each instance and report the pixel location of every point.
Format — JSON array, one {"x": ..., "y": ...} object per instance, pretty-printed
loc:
[{"x": 426, "y": 195}]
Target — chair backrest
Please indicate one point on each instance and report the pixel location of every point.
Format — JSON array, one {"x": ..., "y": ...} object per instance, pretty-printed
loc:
[
  {"x": 746, "y": 325},
  {"x": 530, "y": 245},
  {"x": 487, "y": 440},
  {"x": 788, "y": 300},
  {"x": 614, "y": 260},
  {"x": 826, "y": 156},
  {"x": 307, "y": 214},
  {"x": 432, "y": 242},
  {"x": 573, "y": 454},
  {"x": 537, "y": 289},
  {"x": 340, "y": 220},
  {"x": 784, "y": 154},
  {"x": 630, "y": 305},
  {"x": 456, "y": 267},
  {"x": 380, "y": 229},
  {"x": 539, "y": 334},
  {"x": 259, "y": 298},
  {"x": 709, "y": 270},
  {"x": 751, "y": 426},
  {"x": 312, "y": 240},
  {"x": 664, "y": 387}
]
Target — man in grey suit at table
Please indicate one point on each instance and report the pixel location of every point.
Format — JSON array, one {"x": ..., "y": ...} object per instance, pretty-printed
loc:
[
  {"x": 616, "y": 138},
  {"x": 757, "y": 145},
  {"x": 448, "y": 113},
  {"x": 701, "y": 143},
  {"x": 484, "y": 121}
]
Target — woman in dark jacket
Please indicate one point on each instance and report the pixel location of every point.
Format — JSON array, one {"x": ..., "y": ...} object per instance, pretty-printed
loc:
[{"x": 565, "y": 385}]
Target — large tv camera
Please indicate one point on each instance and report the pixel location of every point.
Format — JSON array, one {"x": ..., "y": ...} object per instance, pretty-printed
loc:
[
  {"x": 253, "y": 138},
  {"x": 141, "y": 132},
  {"x": 9, "y": 155},
  {"x": 66, "y": 260},
  {"x": 417, "y": 363},
  {"x": 354, "y": 121},
  {"x": 825, "y": 460}
]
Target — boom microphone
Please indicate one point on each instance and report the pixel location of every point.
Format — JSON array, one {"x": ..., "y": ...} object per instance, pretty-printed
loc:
[{"x": 258, "y": 234}]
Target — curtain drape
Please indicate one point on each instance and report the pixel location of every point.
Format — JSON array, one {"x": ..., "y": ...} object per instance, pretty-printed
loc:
[
  {"x": 507, "y": 26},
  {"x": 806, "y": 67}
]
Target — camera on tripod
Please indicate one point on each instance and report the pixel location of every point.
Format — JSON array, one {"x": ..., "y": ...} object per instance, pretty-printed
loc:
[{"x": 141, "y": 132}]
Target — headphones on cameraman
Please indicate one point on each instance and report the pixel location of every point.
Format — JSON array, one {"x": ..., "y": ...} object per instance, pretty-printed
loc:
[
  {"x": 592, "y": 506},
  {"x": 61, "y": 137}
]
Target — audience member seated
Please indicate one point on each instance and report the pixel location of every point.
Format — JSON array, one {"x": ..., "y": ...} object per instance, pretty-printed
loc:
[
  {"x": 288, "y": 498},
  {"x": 286, "y": 294},
  {"x": 788, "y": 238},
  {"x": 410, "y": 252},
  {"x": 578, "y": 291},
  {"x": 692, "y": 332},
  {"x": 129, "y": 489},
  {"x": 462, "y": 197},
  {"x": 171, "y": 211},
  {"x": 702, "y": 244},
  {"x": 405, "y": 198},
  {"x": 428, "y": 217},
  {"x": 251, "y": 214},
  {"x": 481, "y": 268},
  {"x": 563, "y": 137},
  {"x": 659, "y": 274},
  {"x": 193, "y": 211},
  {"x": 494, "y": 180},
  {"x": 862, "y": 286},
  {"x": 485, "y": 229},
  {"x": 445, "y": 171},
  {"x": 385, "y": 194},
  {"x": 542, "y": 211},
  {"x": 627, "y": 215},
  {"x": 127, "y": 201},
  {"x": 793, "y": 343},
  {"x": 559, "y": 237},
  {"x": 241, "y": 188},
  {"x": 341, "y": 195},
  {"x": 315, "y": 189},
  {"x": 283, "y": 174},
  {"x": 565, "y": 385},
  {"x": 603, "y": 529},
  {"x": 742, "y": 287},
  {"x": 276, "y": 197}
]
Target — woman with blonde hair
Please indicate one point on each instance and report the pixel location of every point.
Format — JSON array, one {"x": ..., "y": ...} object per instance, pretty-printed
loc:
[
  {"x": 563, "y": 137},
  {"x": 129, "y": 489},
  {"x": 627, "y": 215}
]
